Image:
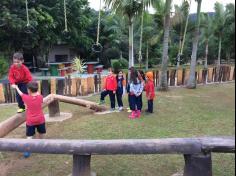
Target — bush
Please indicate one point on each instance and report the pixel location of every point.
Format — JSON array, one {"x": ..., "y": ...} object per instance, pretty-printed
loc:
[
  {"x": 118, "y": 64},
  {"x": 3, "y": 66}
]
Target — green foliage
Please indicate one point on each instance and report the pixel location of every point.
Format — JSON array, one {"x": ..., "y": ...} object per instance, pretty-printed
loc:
[
  {"x": 78, "y": 64},
  {"x": 118, "y": 64},
  {"x": 3, "y": 66}
]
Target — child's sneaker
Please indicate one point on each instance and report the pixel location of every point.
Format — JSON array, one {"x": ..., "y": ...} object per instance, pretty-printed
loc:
[
  {"x": 132, "y": 115},
  {"x": 20, "y": 110},
  {"x": 26, "y": 154},
  {"x": 129, "y": 110},
  {"x": 138, "y": 114},
  {"x": 120, "y": 108},
  {"x": 101, "y": 102},
  {"x": 112, "y": 109}
]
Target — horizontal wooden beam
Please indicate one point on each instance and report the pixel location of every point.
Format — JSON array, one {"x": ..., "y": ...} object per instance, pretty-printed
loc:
[
  {"x": 113, "y": 147},
  {"x": 80, "y": 102}
]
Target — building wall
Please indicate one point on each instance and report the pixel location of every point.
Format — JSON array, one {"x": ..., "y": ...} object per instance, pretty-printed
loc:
[{"x": 61, "y": 50}]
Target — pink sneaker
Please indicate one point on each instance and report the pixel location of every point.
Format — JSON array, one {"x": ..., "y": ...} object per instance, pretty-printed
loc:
[
  {"x": 138, "y": 114},
  {"x": 132, "y": 115}
]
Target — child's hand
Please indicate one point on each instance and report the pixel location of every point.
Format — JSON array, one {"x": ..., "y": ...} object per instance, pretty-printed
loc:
[
  {"x": 14, "y": 86},
  {"x": 114, "y": 92}
]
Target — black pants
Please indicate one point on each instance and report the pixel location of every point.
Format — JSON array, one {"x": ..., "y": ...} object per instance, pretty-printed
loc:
[
  {"x": 135, "y": 103},
  {"x": 150, "y": 106},
  {"x": 23, "y": 89},
  {"x": 111, "y": 95},
  {"x": 119, "y": 99}
]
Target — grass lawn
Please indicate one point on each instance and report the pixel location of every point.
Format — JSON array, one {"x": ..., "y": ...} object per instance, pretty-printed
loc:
[{"x": 206, "y": 111}]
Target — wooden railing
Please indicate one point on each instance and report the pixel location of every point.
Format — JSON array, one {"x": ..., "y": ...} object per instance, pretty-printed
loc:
[
  {"x": 83, "y": 86},
  {"x": 196, "y": 151}
]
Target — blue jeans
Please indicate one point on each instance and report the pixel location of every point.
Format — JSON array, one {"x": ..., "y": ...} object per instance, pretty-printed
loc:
[
  {"x": 23, "y": 89},
  {"x": 135, "y": 103}
]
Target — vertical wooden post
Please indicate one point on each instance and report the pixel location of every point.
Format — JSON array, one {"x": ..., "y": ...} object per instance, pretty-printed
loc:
[
  {"x": 186, "y": 76},
  {"x": 54, "y": 109},
  {"x": 53, "y": 86},
  {"x": 96, "y": 83},
  {"x": 45, "y": 88},
  {"x": 210, "y": 75},
  {"x": 81, "y": 165},
  {"x": 74, "y": 87},
  {"x": 2, "y": 96},
  {"x": 180, "y": 77},
  {"x": 39, "y": 85},
  {"x": 198, "y": 165},
  {"x": 61, "y": 87},
  {"x": 231, "y": 77},
  {"x": 200, "y": 73}
]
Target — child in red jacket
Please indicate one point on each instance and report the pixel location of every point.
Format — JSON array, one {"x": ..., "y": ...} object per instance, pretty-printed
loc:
[
  {"x": 150, "y": 91},
  {"x": 110, "y": 87},
  {"x": 19, "y": 75}
]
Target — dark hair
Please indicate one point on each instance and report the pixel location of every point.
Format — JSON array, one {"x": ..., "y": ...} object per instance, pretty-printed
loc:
[
  {"x": 110, "y": 68},
  {"x": 133, "y": 75},
  {"x": 18, "y": 56},
  {"x": 33, "y": 86},
  {"x": 142, "y": 74}
]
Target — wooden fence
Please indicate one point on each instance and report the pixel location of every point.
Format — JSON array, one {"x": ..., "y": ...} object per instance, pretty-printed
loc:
[
  {"x": 196, "y": 151},
  {"x": 84, "y": 86}
]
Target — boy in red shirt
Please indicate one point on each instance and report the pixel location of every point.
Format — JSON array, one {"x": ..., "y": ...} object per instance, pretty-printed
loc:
[
  {"x": 34, "y": 112},
  {"x": 110, "y": 88},
  {"x": 150, "y": 91},
  {"x": 19, "y": 75}
]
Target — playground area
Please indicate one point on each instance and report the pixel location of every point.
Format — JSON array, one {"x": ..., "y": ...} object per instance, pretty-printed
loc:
[{"x": 207, "y": 111}]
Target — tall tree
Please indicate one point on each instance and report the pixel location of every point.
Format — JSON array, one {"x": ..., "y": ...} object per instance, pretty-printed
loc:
[
  {"x": 192, "y": 79},
  {"x": 207, "y": 26},
  {"x": 219, "y": 21},
  {"x": 164, "y": 81}
]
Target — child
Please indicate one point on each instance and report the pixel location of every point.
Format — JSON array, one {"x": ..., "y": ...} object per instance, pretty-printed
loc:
[
  {"x": 34, "y": 112},
  {"x": 150, "y": 91},
  {"x": 110, "y": 87},
  {"x": 141, "y": 77},
  {"x": 19, "y": 75},
  {"x": 120, "y": 89},
  {"x": 135, "y": 92}
]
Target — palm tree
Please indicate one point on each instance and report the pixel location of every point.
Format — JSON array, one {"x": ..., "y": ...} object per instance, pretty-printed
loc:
[
  {"x": 192, "y": 79},
  {"x": 164, "y": 82},
  {"x": 181, "y": 18},
  {"x": 219, "y": 22},
  {"x": 207, "y": 25},
  {"x": 129, "y": 8}
]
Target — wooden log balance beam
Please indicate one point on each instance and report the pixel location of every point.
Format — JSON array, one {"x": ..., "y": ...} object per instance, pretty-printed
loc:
[
  {"x": 196, "y": 151},
  {"x": 80, "y": 102},
  {"x": 15, "y": 121}
]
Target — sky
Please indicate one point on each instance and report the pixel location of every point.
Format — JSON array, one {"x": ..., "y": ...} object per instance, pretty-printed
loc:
[{"x": 207, "y": 5}]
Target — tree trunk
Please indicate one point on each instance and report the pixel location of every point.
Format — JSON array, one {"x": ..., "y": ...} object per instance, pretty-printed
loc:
[
  {"x": 147, "y": 55},
  {"x": 131, "y": 43},
  {"x": 192, "y": 79},
  {"x": 179, "y": 52},
  {"x": 218, "y": 61},
  {"x": 206, "y": 54},
  {"x": 141, "y": 40},
  {"x": 164, "y": 81}
]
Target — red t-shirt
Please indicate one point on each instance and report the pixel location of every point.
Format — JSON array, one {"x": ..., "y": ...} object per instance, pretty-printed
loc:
[
  {"x": 34, "y": 110},
  {"x": 110, "y": 83}
]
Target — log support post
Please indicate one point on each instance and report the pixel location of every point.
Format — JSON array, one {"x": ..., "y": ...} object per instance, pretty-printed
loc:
[
  {"x": 54, "y": 109},
  {"x": 198, "y": 164},
  {"x": 81, "y": 165}
]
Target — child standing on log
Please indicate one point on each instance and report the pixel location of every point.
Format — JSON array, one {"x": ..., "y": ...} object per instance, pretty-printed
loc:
[
  {"x": 19, "y": 75},
  {"x": 150, "y": 91},
  {"x": 34, "y": 113},
  {"x": 120, "y": 89},
  {"x": 110, "y": 88}
]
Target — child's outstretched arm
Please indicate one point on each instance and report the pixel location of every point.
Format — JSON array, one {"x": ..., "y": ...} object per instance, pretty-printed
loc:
[{"x": 17, "y": 89}]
